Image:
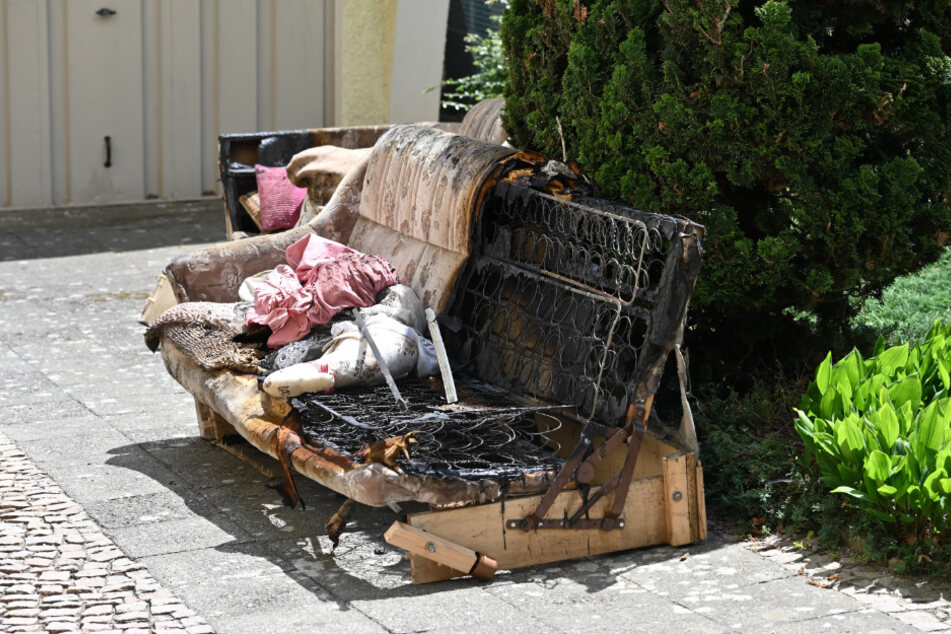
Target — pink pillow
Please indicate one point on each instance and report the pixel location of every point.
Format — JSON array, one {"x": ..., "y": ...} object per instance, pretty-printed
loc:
[{"x": 281, "y": 200}]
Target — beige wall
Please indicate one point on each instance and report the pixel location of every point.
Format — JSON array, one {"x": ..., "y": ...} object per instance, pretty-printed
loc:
[
  {"x": 163, "y": 78},
  {"x": 366, "y": 31}
]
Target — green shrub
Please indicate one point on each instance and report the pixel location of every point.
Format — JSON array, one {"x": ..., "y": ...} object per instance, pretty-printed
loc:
[
  {"x": 880, "y": 432},
  {"x": 486, "y": 50},
  {"x": 910, "y": 305},
  {"x": 749, "y": 454},
  {"x": 810, "y": 138}
]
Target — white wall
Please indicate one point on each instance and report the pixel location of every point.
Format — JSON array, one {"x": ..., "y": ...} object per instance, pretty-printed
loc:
[
  {"x": 418, "y": 60},
  {"x": 163, "y": 78}
]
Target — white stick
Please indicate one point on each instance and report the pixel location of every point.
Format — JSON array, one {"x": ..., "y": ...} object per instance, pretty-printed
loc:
[{"x": 444, "y": 369}]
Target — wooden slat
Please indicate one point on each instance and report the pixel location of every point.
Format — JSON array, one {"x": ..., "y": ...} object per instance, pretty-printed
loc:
[
  {"x": 426, "y": 545},
  {"x": 676, "y": 500},
  {"x": 701, "y": 504},
  {"x": 484, "y": 530},
  {"x": 211, "y": 425},
  {"x": 161, "y": 299},
  {"x": 692, "y": 511},
  {"x": 428, "y": 571}
]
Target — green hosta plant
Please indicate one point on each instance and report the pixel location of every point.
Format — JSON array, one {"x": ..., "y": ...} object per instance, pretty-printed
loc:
[{"x": 880, "y": 431}]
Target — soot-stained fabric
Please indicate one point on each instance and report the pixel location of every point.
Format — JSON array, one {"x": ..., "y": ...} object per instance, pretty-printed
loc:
[{"x": 213, "y": 334}]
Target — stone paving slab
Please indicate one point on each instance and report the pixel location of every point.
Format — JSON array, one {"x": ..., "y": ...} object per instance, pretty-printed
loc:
[
  {"x": 920, "y": 602},
  {"x": 91, "y": 407}
]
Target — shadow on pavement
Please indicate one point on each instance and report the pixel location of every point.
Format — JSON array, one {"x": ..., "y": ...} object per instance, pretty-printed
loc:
[
  {"x": 224, "y": 490},
  {"x": 57, "y": 232}
]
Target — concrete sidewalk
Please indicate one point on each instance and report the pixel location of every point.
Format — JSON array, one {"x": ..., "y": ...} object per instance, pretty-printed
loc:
[{"x": 93, "y": 408}]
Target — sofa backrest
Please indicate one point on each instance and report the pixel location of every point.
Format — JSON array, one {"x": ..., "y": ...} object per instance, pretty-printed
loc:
[
  {"x": 484, "y": 122},
  {"x": 417, "y": 203},
  {"x": 573, "y": 302}
]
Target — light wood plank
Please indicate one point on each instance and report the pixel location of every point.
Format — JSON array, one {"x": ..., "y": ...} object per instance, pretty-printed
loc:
[
  {"x": 211, "y": 425},
  {"x": 692, "y": 502},
  {"x": 438, "y": 549},
  {"x": 676, "y": 500},
  {"x": 483, "y": 529},
  {"x": 160, "y": 300},
  {"x": 701, "y": 504}
]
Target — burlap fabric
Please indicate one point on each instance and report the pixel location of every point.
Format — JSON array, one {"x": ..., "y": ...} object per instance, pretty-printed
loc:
[{"x": 213, "y": 334}]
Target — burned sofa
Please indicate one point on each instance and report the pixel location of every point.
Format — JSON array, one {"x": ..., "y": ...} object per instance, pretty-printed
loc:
[{"x": 557, "y": 312}]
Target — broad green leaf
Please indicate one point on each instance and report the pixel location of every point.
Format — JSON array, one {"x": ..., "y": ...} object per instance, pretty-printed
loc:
[
  {"x": 914, "y": 358},
  {"x": 937, "y": 344},
  {"x": 887, "y": 422},
  {"x": 893, "y": 359},
  {"x": 943, "y": 459},
  {"x": 877, "y": 466},
  {"x": 844, "y": 388},
  {"x": 846, "y": 473},
  {"x": 853, "y": 367},
  {"x": 827, "y": 405},
  {"x": 873, "y": 439},
  {"x": 944, "y": 485},
  {"x": 879, "y": 346},
  {"x": 824, "y": 373},
  {"x": 908, "y": 390},
  {"x": 913, "y": 492},
  {"x": 861, "y": 396},
  {"x": 848, "y": 436},
  {"x": 887, "y": 490},
  {"x": 943, "y": 373},
  {"x": 930, "y": 432},
  {"x": 883, "y": 395},
  {"x": 810, "y": 400},
  {"x": 906, "y": 417},
  {"x": 806, "y": 431},
  {"x": 861, "y": 495},
  {"x": 825, "y": 442},
  {"x": 931, "y": 484}
]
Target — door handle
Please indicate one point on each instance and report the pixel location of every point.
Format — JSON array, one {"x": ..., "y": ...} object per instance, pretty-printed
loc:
[
  {"x": 108, "y": 140},
  {"x": 106, "y": 12}
]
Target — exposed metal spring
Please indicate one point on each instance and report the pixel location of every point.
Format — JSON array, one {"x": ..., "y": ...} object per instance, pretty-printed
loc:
[{"x": 502, "y": 443}]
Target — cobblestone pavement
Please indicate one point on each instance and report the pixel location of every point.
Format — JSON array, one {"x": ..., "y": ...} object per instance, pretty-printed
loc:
[
  {"x": 96, "y": 412},
  {"x": 60, "y": 573}
]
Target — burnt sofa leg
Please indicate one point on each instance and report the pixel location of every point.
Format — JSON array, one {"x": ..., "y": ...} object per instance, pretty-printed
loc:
[{"x": 211, "y": 425}]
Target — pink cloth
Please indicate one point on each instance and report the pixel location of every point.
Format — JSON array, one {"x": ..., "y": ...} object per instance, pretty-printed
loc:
[
  {"x": 323, "y": 278},
  {"x": 311, "y": 252},
  {"x": 281, "y": 200}
]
